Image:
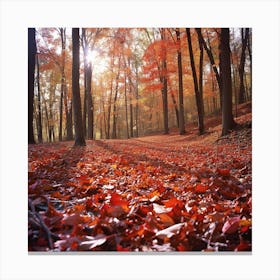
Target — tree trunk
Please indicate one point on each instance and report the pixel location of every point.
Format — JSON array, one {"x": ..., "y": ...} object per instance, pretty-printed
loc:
[
  {"x": 60, "y": 112},
  {"x": 250, "y": 56},
  {"x": 51, "y": 108},
  {"x": 180, "y": 78},
  {"x": 102, "y": 105},
  {"x": 131, "y": 113},
  {"x": 126, "y": 111},
  {"x": 85, "y": 103},
  {"x": 63, "y": 38},
  {"x": 89, "y": 101},
  {"x": 110, "y": 101},
  {"x": 78, "y": 123},
  {"x": 198, "y": 95},
  {"x": 69, "y": 122},
  {"x": 212, "y": 61},
  {"x": 109, "y": 111},
  {"x": 163, "y": 80},
  {"x": 165, "y": 100},
  {"x": 137, "y": 104},
  {"x": 228, "y": 122},
  {"x": 40, "y": 133},
  {"x": 241, "y": 95},
  {"x": 32, "y": 49},
  {"x": 114, "y": 128},
  {"x": 201, "y": 76},
  {"x": 45, "y": 108},
  {"x": 85, "y": 50},
  {"x": 234, "y": 85},
  {"x": 174, "y": 104}
]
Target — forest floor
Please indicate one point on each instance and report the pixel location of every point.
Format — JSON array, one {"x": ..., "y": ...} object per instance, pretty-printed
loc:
[{"x": 154, "y": 193}]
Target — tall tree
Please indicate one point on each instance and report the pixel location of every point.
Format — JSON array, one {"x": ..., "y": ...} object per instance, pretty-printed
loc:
[
  {"x": 156, "y": 69},
  {"x": 69, "y": 119},
  {"x": 212, "y": 61},
  {"x": 241, "y": 95},
  {"x": 125, "y": 103},
  {"x": 114, "y": 128},
  {"x": 137, "y": 99},
  {"x": 180, "y": 78},
  {"x": 228, "y": 122},
  {"x": 31, "y": 71},
  {"x": 62, "y": 33},
  {"x": 163, "y": 79},
  {"x": 85, "y": 50},
  {"x": 201, "y": 73},
  {"x": 40, "y": 133},
  {"x": 89, "y": 101},
  {"x": 88, "y": 104},
  {"x": 198, "y": 94},
  {"x": 78, "y": 122}
]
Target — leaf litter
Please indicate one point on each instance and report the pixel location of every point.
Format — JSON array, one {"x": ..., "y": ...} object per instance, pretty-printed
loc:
[{"x": 156, "y": 193}]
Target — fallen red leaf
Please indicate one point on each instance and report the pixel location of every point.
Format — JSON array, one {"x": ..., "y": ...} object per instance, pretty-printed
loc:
[
  {"x": 231, "y": 225},
  {"x": 200, "y": 189}
]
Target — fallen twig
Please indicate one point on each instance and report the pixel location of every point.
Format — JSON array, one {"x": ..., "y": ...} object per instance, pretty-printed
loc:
[{"x": 42, "y": 223}]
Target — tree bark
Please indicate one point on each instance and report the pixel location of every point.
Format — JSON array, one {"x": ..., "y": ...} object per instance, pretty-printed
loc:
[
  {"x": 51, "y": 117},
  {"x": 174, "y": 102},
  {"x": 110, "y": 100},
  {"x": 137, "y": 104},
  {"x": 250, "y": 56},
  {"x": 62, "y": 33},
  {"x": 180, "y": 78},
  {"x": 45, "y": 107},
  {"x": 89, "y": 101},
  {"x": 198, "y": 95},
  {"x": 126, "y": 111},
  {"x": 201, "y": 76},
  {"x": 40, "y": 133},
  {"x": 32, "y": 49},
  {"x": 69, "y": 121},
  {"x": 85, "y": 107},
  {"x": 114, "y": 128},
  {"x": 131, "y": 109},
  {"x": 78, "y": 122},
  {"x": 241, "y": 95},
  {"x": 228, "y": 122},
  {"x": 163, "y": 80}
]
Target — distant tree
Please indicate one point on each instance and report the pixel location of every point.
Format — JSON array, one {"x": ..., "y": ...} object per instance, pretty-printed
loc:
[
  {"x": 228, "y": 122},
  {"x": 163, "y": 79},
  {"x": 212, "y": 61},
  {"x": 114, "y": 128},
  {"x": 78, "y": 122},
  {"x": 62, "y": 33},
  {"x": 198, "y": 93},
  {"x": 31, "y": 71},
  {"x": 245, "y": 38},
  {"x": 40, "y": 133},
  {"x": 155, "y": 58},
  {"x": 88, "y": 104},
  {"x": 180, "y": 78}
]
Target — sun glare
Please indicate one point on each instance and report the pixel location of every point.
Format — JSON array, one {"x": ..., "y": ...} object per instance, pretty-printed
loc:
[{"x": 98, "y": 61}]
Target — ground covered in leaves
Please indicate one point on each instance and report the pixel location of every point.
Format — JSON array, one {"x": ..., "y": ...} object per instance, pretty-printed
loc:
[{"x": 157, "y": 193}]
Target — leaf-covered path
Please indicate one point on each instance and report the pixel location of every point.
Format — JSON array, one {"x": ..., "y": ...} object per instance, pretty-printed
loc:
[{"x": 156, "y": 193}]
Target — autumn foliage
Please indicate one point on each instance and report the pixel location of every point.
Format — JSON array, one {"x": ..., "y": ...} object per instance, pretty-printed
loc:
[{"x": 156, "y": 193}]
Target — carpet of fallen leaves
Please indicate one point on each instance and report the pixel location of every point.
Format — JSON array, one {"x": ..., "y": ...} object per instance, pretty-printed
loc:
[{"x": 158, "y": 193}]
